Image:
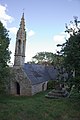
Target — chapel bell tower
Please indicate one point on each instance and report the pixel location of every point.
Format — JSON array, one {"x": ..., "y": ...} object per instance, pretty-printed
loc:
[{"x": 20, "y": 44}]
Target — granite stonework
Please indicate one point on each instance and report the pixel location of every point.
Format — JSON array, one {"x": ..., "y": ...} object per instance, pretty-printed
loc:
[
  {"x": 28, "y": 79},
  {"x": 20, "y": 84},
  {"x": 39, "y": 87}
]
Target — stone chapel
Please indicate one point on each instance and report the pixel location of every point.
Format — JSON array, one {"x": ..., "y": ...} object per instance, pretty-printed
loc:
[{"x": 28, "y": 79}]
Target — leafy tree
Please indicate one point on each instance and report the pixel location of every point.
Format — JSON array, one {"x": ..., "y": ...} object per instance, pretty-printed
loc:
[
  {"x": 71, "y": 50},
  {"x": 47, "y": 57},
  {"x": 72, "y": 53},
  {"x": 42, "y": 57},
  {"x": 58, "y": 60},
  {"x": 4, "y": 57}
]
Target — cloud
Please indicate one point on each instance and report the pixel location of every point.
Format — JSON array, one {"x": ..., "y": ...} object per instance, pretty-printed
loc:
[
  {"x": 4, "y": 17},
  {"x": 59, "y": 39},
  {"x": 31, "y": 33},
  {"x": 13, "y": 30}
]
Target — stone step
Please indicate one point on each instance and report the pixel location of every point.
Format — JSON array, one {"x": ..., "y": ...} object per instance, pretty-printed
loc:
[
  {"x": 53, "y": 97},
  {"x": 57, "y": 94},
  {"x": 58, "y": 91}
]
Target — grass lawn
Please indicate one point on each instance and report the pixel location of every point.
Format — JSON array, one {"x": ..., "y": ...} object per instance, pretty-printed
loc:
[{"x": 38, "y": 107}]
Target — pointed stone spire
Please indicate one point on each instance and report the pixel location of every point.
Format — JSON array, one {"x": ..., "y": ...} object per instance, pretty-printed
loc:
[
  {"x": 20, "y": 44},
  {"x": 22, "y": 23}
]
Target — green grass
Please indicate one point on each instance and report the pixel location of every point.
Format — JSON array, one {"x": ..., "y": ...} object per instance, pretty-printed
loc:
[{"x": 38, "y": 107}]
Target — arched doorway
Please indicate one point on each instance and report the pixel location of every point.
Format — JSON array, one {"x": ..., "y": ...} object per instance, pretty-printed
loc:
[{"x": 17, "y": 88}]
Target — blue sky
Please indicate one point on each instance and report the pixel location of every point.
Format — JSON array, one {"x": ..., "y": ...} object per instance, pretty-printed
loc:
[{"x": 45, "y": 22}]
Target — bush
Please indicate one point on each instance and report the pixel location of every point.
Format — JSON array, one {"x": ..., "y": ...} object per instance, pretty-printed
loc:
[
  {"x": 52, "y": 84},
  {"x": 75, "y": 81}
]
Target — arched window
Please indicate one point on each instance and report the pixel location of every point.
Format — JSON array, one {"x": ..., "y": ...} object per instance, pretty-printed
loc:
[
  {"x": 23, "y": 47},
  {"x": 19, "y": 46}
]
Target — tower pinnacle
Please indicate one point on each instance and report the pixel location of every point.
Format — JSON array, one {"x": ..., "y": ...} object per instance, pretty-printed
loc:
[
  {"x": 22, "y": 23},
  {"x": 20, "y": 44}
]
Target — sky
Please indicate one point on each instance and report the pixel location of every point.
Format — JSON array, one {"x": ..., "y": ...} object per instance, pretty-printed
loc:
[{"x": 44, "y": 19}]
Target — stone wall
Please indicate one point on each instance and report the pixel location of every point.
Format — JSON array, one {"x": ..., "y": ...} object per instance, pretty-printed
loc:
[
  {"x": 20, "y": 79},
  {"x": 39, "y": 87},
  {"x": 18, "y": 61},
  {"x": 21, "y": 85}
]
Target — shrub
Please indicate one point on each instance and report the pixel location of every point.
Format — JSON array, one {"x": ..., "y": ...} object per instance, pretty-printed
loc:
[
  {"x": 75, "y": 81},
  {"x": 52, "y": 84}
]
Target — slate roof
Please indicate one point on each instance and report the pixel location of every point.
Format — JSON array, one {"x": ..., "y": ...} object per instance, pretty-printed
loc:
[{"x": 40, "y": 73}]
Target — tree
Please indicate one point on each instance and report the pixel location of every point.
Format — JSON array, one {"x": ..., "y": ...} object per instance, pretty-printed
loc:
[
  {"x": 49, "y": 58},
  {"x": 71, "y": 50},
  {"x": 4, "y": 57},
  {"x": 72, "y": 53},
  {"x": 42, "y": 57}
]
